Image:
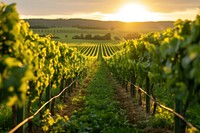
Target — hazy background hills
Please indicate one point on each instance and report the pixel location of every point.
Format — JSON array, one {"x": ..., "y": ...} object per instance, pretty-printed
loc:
[{"x": 96, "y": 24}]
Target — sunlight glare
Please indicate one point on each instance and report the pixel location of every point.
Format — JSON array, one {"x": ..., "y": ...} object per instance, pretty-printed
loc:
[{"x": 133, "y": 13}]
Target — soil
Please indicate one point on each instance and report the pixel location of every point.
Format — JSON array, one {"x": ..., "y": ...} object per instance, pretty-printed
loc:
[
  {"x": 78, "y": 91},
  {"x": 136, "y": 114}
]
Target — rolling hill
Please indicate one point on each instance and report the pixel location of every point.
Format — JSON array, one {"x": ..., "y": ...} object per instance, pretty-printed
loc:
[{"x": 97, "y": 24}]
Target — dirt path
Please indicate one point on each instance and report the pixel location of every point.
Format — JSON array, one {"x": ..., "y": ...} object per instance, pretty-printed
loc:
[
  {"x": 135, "y": 113},
  {"x": 75, "y": 101}
]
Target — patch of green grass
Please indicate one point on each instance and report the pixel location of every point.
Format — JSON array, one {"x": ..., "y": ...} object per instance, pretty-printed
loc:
[
  {"x": 65, "y": 34},
  {"x": 5, "y": 118},
  {"x": 101, "y": 112},
  {"x": 193, "y": 115}
]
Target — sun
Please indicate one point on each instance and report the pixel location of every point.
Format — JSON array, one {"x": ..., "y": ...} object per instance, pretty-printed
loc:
[{"x": 133, "y": 12}]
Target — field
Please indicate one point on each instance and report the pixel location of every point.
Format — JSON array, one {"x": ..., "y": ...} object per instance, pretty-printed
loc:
[
  {"x": 65, "y": 30},
  {"x": 65, "y": 34},
  {"x": 59, "y": 84}
]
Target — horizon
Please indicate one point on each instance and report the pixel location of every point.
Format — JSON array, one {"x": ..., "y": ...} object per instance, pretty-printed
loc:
[
  {"x": 95, "y": 20},
  {"x": 123, "y": 10}
]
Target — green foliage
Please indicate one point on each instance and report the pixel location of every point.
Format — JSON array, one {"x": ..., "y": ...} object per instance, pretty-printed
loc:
[
  {"x": 193, "y": 115},
  {"x": 90, "y": 37},
  {"x": 170, "y": 59},
  {"x": 5, "y": 117},
  {"x": 101, "y": 112},
  {"x": 29, "y": 63},
  {"x": 15, "y": 74},
  {"x": 162, "y": 119},
  {"x": 53, "y": 125}
]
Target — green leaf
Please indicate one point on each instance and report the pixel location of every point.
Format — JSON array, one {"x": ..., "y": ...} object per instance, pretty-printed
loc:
[{"x": 11, "y": 62}]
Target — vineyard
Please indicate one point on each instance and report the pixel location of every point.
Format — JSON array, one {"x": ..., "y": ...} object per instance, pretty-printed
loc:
[{"x": 39, "y": 76}]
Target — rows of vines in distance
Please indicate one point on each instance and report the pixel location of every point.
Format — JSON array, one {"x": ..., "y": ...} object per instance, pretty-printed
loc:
[{"x": 92, "y": 49}]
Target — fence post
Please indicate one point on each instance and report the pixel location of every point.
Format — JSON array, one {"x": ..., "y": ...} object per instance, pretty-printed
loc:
[
  {"x": 30, "y": 124},
  {"x": 140, "y": 95},
  {"x": 132, "y": 87},
  {"x": 69, "y": 89},
  {"x": 74, "y": 86},
  {"x": 66, "y": 83},
  {"x": 178, "y": 121},
  {"x": 20, "y": 118},
  {"x": 147, "y": 95},
  {"x": 126, "y": 86},
  {"x": 48, "y": 96},
  {"x": 62, "y": 87}
]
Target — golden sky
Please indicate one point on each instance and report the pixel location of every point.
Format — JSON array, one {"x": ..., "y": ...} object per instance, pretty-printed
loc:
[{"x": 120, "y": 10}]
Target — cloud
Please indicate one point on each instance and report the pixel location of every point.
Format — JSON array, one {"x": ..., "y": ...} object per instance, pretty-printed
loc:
[
  {"x": 97, "y": 8},
  {"x": 187, "y": 14},
  {"x": 94, "y": 15},
  {"x": 44, "y": 7},
  {"x": 47, "y": 7},
  {"x": 171, "y": 5}
]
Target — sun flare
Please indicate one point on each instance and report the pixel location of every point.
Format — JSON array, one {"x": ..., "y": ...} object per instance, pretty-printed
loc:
[{"x": 133, "y": 13}]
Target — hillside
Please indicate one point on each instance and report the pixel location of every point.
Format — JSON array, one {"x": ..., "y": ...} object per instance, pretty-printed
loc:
[{"x": 85, "y": 23}]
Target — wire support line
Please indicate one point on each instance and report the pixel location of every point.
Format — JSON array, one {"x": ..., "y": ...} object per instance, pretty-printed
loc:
[
  {"x": 32, "y": 116},
  {"x": 166, "y": 108}
]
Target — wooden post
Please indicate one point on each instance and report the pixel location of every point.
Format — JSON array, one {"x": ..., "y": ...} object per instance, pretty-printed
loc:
[
  {"x": 40, "y": 102},
  {"x": 148, "y": 87},
  {"x": 132, "y": 87},
  {"x": 30, "y": 124},
  {"x": 74, "y": 85},
  {"x": 48, "y": 96},
  {"x": 20, "y": 118},
  {"x": 66, "y": 83},
  {"x": 126, "y": 85},
  {"x": 52, "y": 106},
  {"x": 69, "y": 89},
  {"x": 178, "y": 121},
  {"x": 61, "y": 88},
  {"x": 140, "y": 97}
]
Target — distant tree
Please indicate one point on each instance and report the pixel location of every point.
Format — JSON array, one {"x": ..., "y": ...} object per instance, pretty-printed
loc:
[
  {"x": 82, "y": 36},
  {"x": 66, "y": 36},
  {"x": 132, "y": 36},
  {"x": 76, "y": 37},
  {"x": 107, "y": 36},
  {"x": 88, "y": 36},
  {"x": 97, "y": 37},
  {"x": 117, "y": 38}
]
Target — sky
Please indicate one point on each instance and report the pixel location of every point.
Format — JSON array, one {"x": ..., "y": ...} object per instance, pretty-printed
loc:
[{"x": 120, "y": 10}]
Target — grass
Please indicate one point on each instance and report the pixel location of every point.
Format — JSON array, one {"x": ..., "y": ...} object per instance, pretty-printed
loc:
[
  {"x": 101, "y": 112},
  {"x": 72, "y": 31},
  {"x": 5, "y": 118}
]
